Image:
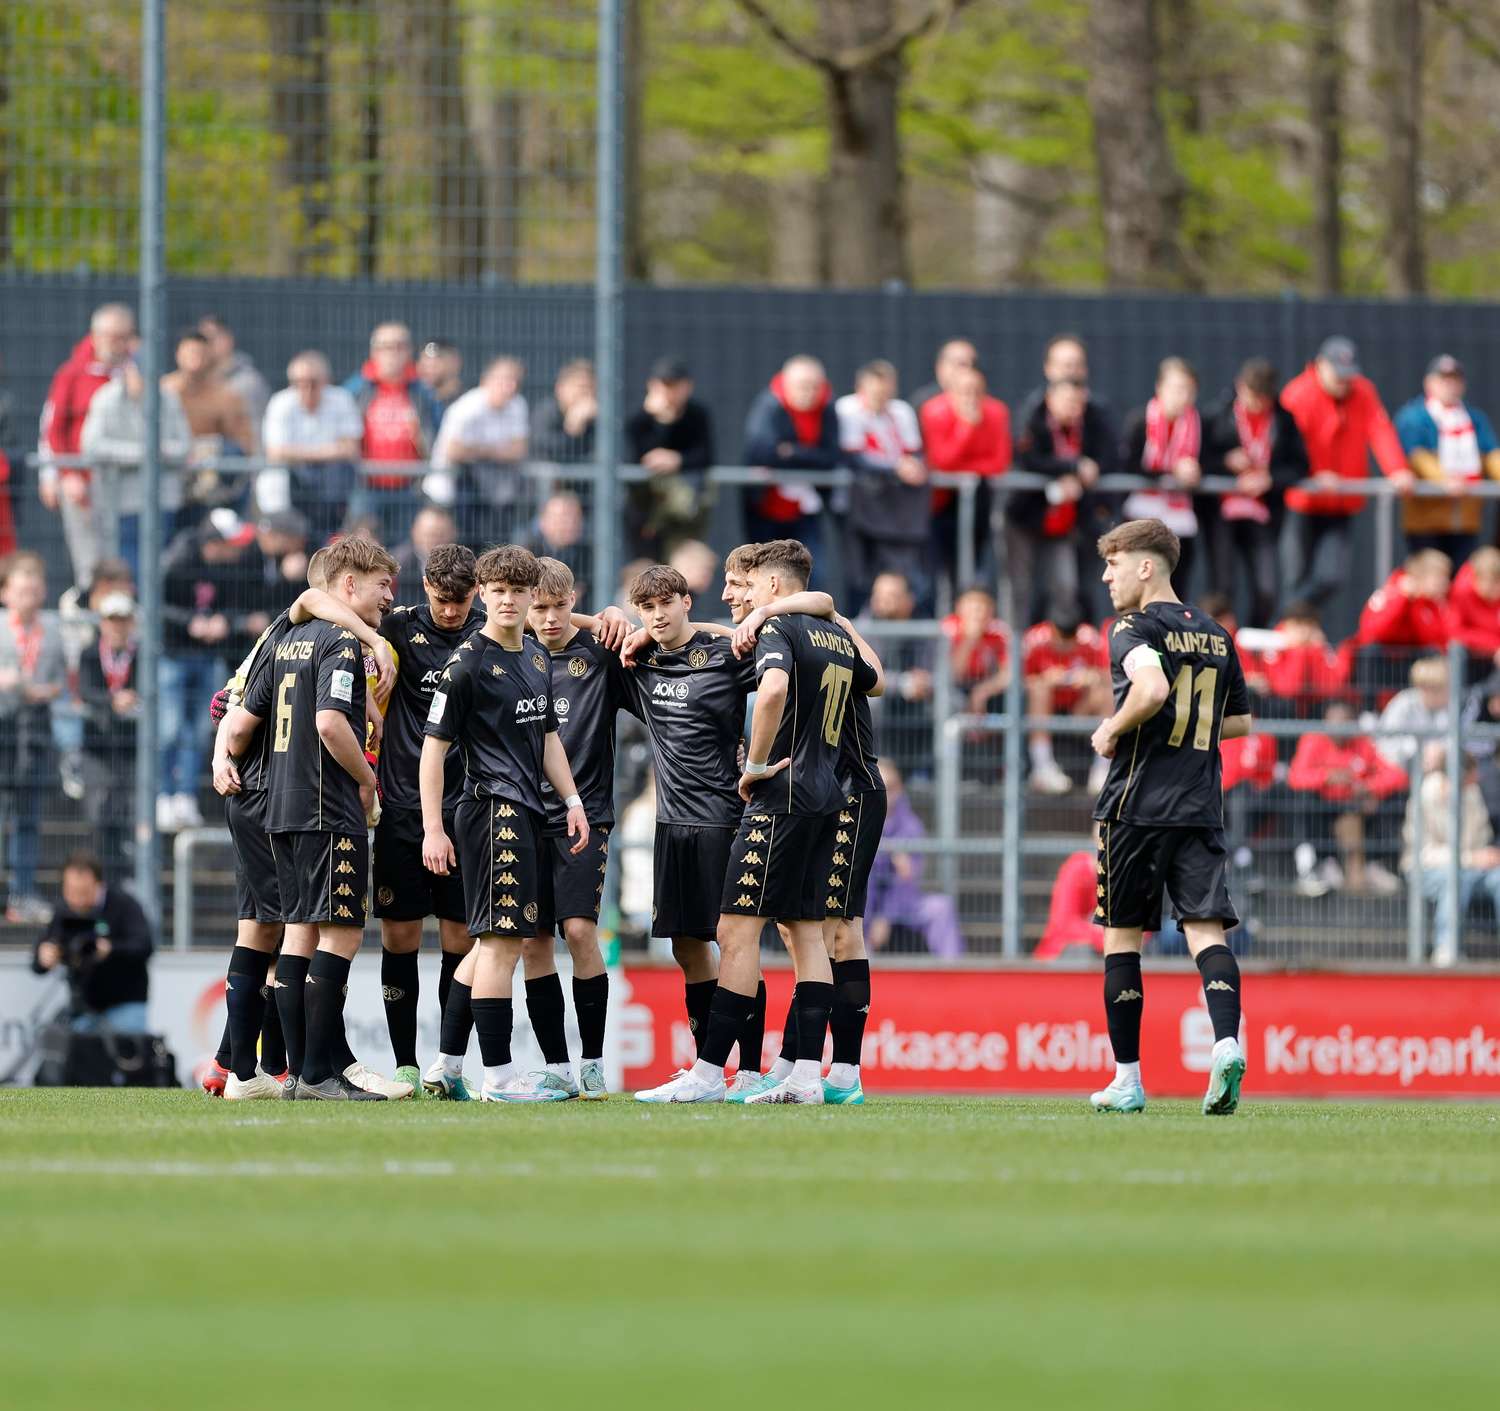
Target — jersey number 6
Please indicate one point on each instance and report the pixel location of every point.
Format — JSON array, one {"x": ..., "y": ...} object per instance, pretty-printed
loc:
[{"x": 283, "y": 736}]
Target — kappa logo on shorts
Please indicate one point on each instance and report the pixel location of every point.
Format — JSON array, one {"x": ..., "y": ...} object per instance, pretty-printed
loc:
[
  {"x": 842, "y": 837},
  {"x": 849, "y": 798},
  {"x": 507, "y": 857},
  {"x": 577, "y": 666},
  {"x": 364, "y": 902},
  {"x": 1126, "y": 995},
  {"x": 744, "y": 900},
  {"x": 507, "y": 835},
  {"x": 757, "y": 836},
  {"x": 530, "y": 912},
  {"x": 752, "y": 859},
  {"x": 345, "y": 890},
  {"x": 506, "y": 811},
  {"x": 831, "y": 902},
  {"x": 539, "y": 661},
  {"x": 760, "y": 817},
  {"x": 839, "y": 860},
  {"x": 835, "y": 880},
  {"x": 507, "y": 879},
  {"x": 343, "y": 912},
  {"x": 343, "y": 845},
  {"x": 846, "y": 818},
  {"x": 1098, "y": 913},
  {"x": 603, "y": 868},
  {"x": 385, "y": 896},
  {"x": 419, "y": 639},
  {"x": 747, "y": 879},
  {"x": 507, "y": 901},
  {"x": 1219, "y": 985},
  {"x": 506, "y": 924},
  {"x": 697, "y": 658},
  {"x": 345, "y": 868}
]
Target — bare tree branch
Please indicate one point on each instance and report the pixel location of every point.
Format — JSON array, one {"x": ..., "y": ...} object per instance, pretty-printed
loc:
[
  {"x": 1464, "y": 24},
  {"x": 846, "y": 61}
]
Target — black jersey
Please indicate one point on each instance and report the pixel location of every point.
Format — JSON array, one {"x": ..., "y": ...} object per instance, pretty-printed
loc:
[
  {"x": 824, "y": 668},
  {"x": 497, "y": 705},
  {"x": 588, "y": 686},
  {"x": 312, "y": 668},
  {"x": 1167, "y": 771},
  {"x": 692, "y": 702},
  {"x": 252, "y": 763},
  {"x": 859, "y": 764},
  {"x": 422, "y": 649}
]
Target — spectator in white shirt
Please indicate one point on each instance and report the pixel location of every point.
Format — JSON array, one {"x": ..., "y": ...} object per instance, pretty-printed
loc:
[
  {"x": 476, "y": 458},
  {"x": 1422, "y": 706},
  {"x": 890, "y": 506},
  {"x": 312, "y": 434}
]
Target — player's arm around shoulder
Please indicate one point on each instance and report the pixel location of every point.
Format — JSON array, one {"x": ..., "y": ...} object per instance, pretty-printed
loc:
[
  {"x": 867, "y": 654},
  {"x": 807, "y": 603}
]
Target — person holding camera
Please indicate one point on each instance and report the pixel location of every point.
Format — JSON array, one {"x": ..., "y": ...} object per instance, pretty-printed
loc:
[{"x": 101, "y": 938}]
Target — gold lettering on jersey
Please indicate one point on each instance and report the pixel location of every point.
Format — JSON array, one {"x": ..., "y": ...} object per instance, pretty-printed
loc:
[
  {"x": 831, "y": 641},
  {"x": 419, "y": 639},
  {"x": 345, "y": 868},
  {"x": 506, "y": 857},
  {"x": 752, "y": 859},
  {"x": 294, "y": 651},
  {"x": 577, "y": 666},
  {"x": 1198, "y": 644},
  {"x": 757, "y": 836}
]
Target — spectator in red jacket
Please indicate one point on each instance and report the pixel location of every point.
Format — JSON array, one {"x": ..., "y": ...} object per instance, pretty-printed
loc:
[
  {"x": 1474, "y": 607},
  {"x": 1251, "y": 760},
  {"x": 1356, "y": 804},
  {"x": 94, "y": 361},
  {"x": 965, "y": 431},
  {"x": 1342, "y": 421},
  {"x": 978, "y": 649},
  {"x": 1303, "y": 668},
  {"x": 1066, "y": 669},
  {"x": 1070, "y": 916},
  {"x": 791, "y": 426},
  {"x": 1404, "y": 618}
]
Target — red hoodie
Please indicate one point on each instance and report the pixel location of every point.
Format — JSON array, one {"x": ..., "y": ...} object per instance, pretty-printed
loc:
[
  {"x": 1340, "y": 436},
  {"x": 1075, "y": 903},
  {"x": 73, "y": 388},
  {"x": 1318, "y": 756},
  {"x": 807, "y": 424},
  {"x": 393, "y": 428},
  {"x": 1475, "y": 619},
  {"x": 1392, "y": 619},
  {"x": 953, "y": 444},
  {"x": 1313, "y": 669},
  {"x": 1250, "y": 759}
]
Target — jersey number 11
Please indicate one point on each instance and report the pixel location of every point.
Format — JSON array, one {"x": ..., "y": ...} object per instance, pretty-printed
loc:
[{"x": 1184, "y": 688}]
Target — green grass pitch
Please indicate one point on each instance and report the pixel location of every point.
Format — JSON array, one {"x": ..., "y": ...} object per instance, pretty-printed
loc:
[{"x": 165, "y": 1251}]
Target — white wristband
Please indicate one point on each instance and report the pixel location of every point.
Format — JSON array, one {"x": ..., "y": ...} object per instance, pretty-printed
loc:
[
  {"x": 572, "y": 801},
  {"x": 751, "y": 767}
]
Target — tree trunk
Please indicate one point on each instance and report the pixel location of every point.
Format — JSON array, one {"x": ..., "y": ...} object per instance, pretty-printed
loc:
[
  {"x": 434, "y": 44},
  {"x": 367, "y": 236},
  {"x": 1011, "y": 216},
  {"x": 1401, "y": 82},
  {"x": 867, "y": 206},
  {"x": 799, "y": 229},
  {"x": 1140, "y": 188},
  {"x": 1325, "y": 111},
  {"x": 637, "y": 257},
  {"x": 300, "y": 118}
]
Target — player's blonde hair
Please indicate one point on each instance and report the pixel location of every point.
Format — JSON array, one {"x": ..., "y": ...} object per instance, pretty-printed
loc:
[
  {"x": 317, "y": 569},
  {"x": 1142, "y": 536},
  {"x": 739, "y": 560},
  {"x": 556, "y": 580},
  {"x": 356, "y": 554}
]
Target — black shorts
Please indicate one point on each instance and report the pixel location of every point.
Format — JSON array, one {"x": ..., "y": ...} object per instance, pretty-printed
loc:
[
  {"x": 577, "y": 878},
  {"x": 855, "y": 843},
  {"x": 1138, "y": 860},
  {"x": 325, "y": 877},
  {"x": 688, "y": 865},
  {"x": 256, "y": 885},
  {"x": 505, "y": 863},
  {"x": 778, "y": 866},
  {"x": 404, "y": 889}
]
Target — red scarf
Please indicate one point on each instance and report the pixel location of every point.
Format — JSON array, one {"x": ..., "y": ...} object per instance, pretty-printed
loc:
[
  {"x": 807, "y": 426},
  {"x": 28, "y": 644},
  {"x": 1067, "y": 444},
  {"x": 1168, "y": 442},
  {"x": 116, "y": 665},
  {"x": 1254, "y": 429}
]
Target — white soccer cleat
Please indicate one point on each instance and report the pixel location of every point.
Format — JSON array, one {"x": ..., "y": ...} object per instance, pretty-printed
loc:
[
  {"x": 255, "y": 1089},
  {"x": 591, "y": 1084},
  {"x": 371, "y": 1082},
  {"x": 1224, "y": 1079},
  {"x": 684, "y": 1086},
  {"x": 789, "y": 1090},
  {"x": 540, "y": 1086},
  {"x": 438, "y": 1082},
  {"x": 1120, "y": 1097}
]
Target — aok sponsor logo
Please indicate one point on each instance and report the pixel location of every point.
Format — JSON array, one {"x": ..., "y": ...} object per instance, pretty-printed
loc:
[{"x": 670, "y": 690}]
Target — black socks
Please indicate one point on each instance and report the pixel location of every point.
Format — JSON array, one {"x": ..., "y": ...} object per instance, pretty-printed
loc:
[
  {"x": 493, "y": 1019},
  {"x": 1221, "y": 990},
  {"x": 544, "y": 1007},
  {"x": 326, "y": 978},
  {"x": 814, "y": 1001},
  {"x": 458, "y": 1020},
  {"x": 244, "y": 999},
  {"x": 291, "y": 1004},
  {"x": 451, "y": 962},
  {"x": 591, "y": 1002},
  {"x": 399, "y": 983},
  {"x": 225, "y": 1054},
  {"x": 726, "y": 1022},
  {"x": 753, "y": 1035},
  {"x": 789, "y": 1031},
  {"x": 1122, "y": 1005},
  {"x": 851, "y": 1007},
  {"x": 700, "y": 998},
  {"x": 272, "y": 1045}
]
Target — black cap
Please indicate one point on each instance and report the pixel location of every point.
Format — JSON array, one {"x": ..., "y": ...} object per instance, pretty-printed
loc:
[
  {"x": 1445, "y": 365},
  {"x": 670, "y": 370},
  {"x": 1341, "y": 355}
]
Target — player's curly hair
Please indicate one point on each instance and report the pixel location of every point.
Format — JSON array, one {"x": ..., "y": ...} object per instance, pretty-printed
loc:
[
  {"x": 356, "y": 554},
  {"x": 508, "y": 563},
  {"x": 658, "y": 581},
  {"x": 1142, "y": 536},
  {"x": 450, "y": 572},
  {"x": 739, "y": 560},
  {"x": 788, "y": 558},
  {"x": 556, "y": 580}
]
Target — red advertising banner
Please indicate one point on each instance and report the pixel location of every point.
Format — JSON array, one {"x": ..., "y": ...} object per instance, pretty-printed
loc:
[{"x": 1038, "y": 1031}]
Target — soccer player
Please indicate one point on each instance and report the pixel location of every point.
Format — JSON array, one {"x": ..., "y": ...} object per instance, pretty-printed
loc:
[
  {"x": 1179, "y": 691},
  {"x": 320, "y": 799},
  {"x": 241, "y": 782},
  {"x": 856, "y": 841},
  {"x": 495, "y": 700},
  {"x": 589, "y": 686},
  {"x": 806, "y": 670},
  {"x": 423, "y": 638}
]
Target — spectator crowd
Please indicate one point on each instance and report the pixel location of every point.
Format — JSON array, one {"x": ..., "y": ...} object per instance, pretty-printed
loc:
[{"x": 405, "y": 449}]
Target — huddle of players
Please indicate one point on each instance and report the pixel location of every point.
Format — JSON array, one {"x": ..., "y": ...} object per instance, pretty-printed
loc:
[{"x": 532, "y": 837}]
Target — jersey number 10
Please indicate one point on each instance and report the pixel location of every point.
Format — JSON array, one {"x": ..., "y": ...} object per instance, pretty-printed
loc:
[
  {"x": 834, "y": 688},
  {"x": 1184, "y": 688}
]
